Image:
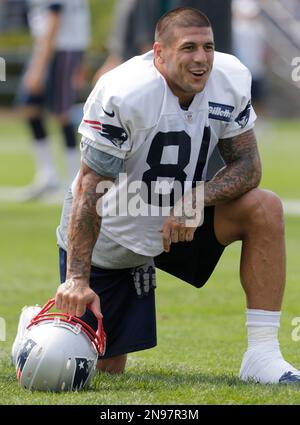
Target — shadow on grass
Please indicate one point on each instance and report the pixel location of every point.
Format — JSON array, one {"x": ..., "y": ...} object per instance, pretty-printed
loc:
[{"x": 163, "y": 379}]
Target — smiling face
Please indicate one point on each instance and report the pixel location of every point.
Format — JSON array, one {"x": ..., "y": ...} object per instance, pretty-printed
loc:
[{"x": 186, "y": 60}]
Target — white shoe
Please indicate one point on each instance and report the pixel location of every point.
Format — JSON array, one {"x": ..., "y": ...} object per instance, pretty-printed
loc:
[
  {"x": 266, "y": 365},
  {"x": 54, "y": 197},
  {"x": 27, "y": 314},
  {"x": 40, "y": 186}
]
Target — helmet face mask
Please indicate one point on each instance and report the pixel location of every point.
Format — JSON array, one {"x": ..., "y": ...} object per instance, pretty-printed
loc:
[{"x": 59, "y": 352}]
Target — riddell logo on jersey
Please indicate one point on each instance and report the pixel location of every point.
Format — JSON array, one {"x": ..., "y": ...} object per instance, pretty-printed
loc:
[
  {"x": 161, "y": 199},
  {"x": 2, "y": 69},
  {"x": 218, "y": 111}
]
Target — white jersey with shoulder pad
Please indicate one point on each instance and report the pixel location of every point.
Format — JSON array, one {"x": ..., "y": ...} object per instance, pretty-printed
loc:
[
  {"x": 132, "y": 114},
  {"x": 74, "y": 30}
]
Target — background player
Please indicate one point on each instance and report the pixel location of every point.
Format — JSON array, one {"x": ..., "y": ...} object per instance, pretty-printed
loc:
[{"x": 61, "y": 31}]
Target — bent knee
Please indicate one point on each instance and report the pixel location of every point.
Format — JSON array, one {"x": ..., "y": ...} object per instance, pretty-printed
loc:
[
  {"x": 258, "y": 208},
  {"x": 114, "y": 365},
  {"x": 261, "y": 205},
  {"x": 28, "y": 112},
  {"x": 62, "y": 118}
]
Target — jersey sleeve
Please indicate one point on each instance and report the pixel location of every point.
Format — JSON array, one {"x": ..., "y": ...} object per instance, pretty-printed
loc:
[
  {"x": 102, "y": 163},
  {"x": 244, "y": 117},
  {"x": 105, "y": 128}
]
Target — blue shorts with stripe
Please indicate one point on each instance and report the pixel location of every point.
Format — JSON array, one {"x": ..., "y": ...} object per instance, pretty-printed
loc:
[{"x": 59, "y": 92}]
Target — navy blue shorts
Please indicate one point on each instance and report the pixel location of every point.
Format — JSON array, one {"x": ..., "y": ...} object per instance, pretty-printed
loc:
[
  {"x": 59, "y": 93},
  {"x": 193, "y": 262},
  {"x": 129, "y": 321}
]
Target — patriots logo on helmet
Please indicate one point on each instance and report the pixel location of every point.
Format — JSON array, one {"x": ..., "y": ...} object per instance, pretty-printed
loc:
[
  {"x": 60, "y": 352},
  {"x": 244, "y": 116},
  {"x": 82, "y": 372},
  {"x": 23, "y": 355},
  {"x": 116, "y": 135}
]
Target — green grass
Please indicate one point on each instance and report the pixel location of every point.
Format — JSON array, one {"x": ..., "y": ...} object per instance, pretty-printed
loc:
[
  {"x": 280, "y": 151},
  {"x": 201, "y": 333}
]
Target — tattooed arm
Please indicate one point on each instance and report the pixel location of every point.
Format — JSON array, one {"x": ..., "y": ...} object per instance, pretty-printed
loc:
[
  {"x": 75, "y": 294},
  {"x": 242, "y": 172}
]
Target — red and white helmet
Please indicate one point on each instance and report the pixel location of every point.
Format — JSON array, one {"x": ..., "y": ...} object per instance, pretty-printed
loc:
[{"x": 59, "y": 352}]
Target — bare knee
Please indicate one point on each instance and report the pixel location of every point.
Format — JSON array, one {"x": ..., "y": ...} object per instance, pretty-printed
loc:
[
  {"x": 114, "y": 365},
  {"x": 256, "y": 210},
  {"x": 261, "y": 207},
  {"x": 29, "y": 112},
  {"x": 63, "y": 118}
]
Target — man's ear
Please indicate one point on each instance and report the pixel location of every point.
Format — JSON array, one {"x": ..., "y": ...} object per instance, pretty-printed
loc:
[{"x": 158, "y": 52}]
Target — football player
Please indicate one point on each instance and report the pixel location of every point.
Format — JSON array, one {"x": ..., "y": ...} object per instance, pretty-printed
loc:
[
  {"x": 158, "y": 117},
  {"x": 49, "y": 83}
]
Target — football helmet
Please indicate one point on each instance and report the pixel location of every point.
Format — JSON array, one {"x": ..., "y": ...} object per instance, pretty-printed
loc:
[{"x": 59, "y": 352}]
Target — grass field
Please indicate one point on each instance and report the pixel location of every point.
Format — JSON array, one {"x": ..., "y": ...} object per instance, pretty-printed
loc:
[{"x": 201, "y": 333}]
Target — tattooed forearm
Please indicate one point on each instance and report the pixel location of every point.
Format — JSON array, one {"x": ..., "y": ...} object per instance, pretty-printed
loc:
[
  {"x": 242, "y": 172},
  {"x": 84, "y": 225}
]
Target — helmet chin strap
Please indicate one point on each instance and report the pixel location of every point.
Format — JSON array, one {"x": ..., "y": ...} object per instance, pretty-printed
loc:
[{"x": 98, "y": 338}]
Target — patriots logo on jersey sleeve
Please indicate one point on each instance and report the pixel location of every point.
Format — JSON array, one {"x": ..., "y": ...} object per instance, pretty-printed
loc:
[
  {"x": 83, "y": 369},
  {"x": 244, "y": 116},
  {"x": 116, "y": 135}
]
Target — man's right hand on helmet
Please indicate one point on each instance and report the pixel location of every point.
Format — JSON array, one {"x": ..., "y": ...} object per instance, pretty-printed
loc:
[{"x": 73, "y": 297}]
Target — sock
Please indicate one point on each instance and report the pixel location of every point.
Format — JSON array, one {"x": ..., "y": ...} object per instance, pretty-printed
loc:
[
  {"x": 262, "y": 327},
  {"x": 263, "y": 361},
  {"x": 73, "y": 163},
  {"x": 45, "y": 164},
  {"x": 69, "y": 135},
  {"x": 37, "y": 127}
]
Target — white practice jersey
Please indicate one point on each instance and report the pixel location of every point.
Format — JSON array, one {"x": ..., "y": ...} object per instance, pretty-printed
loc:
[
  {"x": 74, "y": 30},
  {"x": 133, "y": 115}
]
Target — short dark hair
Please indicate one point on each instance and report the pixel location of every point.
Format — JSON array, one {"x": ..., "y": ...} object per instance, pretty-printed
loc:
[{"x": 182, "y": 17}]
